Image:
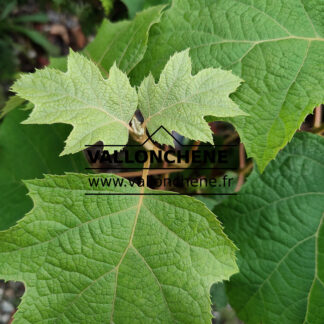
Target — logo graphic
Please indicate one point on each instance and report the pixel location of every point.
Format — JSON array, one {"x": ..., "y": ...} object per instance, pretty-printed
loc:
[{"x": 197, "y": 157}]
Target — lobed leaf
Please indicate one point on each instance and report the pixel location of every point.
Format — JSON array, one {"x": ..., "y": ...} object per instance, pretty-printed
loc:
[
  {"x": 180, "y": 101},
  {"x": 99, "y": 109},
  {"x": 114, "y": 259}
]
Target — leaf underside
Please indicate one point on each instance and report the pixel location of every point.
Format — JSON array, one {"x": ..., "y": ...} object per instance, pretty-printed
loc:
[
  {"x": 274, "y": 46},
  {"x": 180, "y": 101},
  {"x": 100, "y": 109},
  {"x": 114, "y": 259},
  {"x": 277, "y": 223}
]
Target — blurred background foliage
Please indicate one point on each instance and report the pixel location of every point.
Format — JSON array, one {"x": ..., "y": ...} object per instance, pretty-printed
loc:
[{"x": 31, "y": 31}]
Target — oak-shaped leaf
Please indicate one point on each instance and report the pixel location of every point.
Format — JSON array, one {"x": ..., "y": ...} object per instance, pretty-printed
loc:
[
  {"x": 101, "y": 109},
  {"x": 180, "y": 101},
  {"x": 117, "y": 257},
  {"x": 98, "y": 108}
]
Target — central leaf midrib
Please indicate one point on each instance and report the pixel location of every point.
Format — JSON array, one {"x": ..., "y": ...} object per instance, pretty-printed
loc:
[{"x": 139, "y": 205}]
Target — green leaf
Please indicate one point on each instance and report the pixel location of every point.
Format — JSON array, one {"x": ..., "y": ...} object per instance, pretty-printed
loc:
[
  {"x": 315, "y": 307},
  {"x": 26, "y": 152},
  {"x": 12, "y": 103},
  {"x": 274, "y": 46},
  {"x": 37, "y": 38},
  {"x": 8, "y": 61},
  {"x": 277, "y": 223},
  {"x": 218, "y": 296},
  {"x": 134, "y": 6},
  {"x": 114, "y": 259},
  {"x": 107, "y": 6},
  {"x": 33, "y": 18},
  {"x": 124, "y": 42},
  {"x": 7, "y": 9},
  {"x": 212, "y": 201},
  {"x": 98, "y": 109},
  {"x": 180, "y": 101}
]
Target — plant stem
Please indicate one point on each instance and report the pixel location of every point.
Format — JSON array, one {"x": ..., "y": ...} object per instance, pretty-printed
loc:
[
  {"x": 240, "y": 181},
  {"x": 150, "y": 146},
  {"x": 318, "y": 117},
  {"x": 231, "y": 138},
  {"x": 135, "y": 174},
  {"x": 165, "y": 175},
  {"x": 146, "y": 169}
]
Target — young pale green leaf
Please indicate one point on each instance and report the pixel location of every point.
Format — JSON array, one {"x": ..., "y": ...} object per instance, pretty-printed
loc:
[
  {"x": 274, "y": 46},
  {"x": 180, "y": 101},
  {"x": 114, "y": 259},
  {"x": 277, "y": 223},
  {"x": 99, "y": 109},
  {"x": 27, "y": 152}
]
